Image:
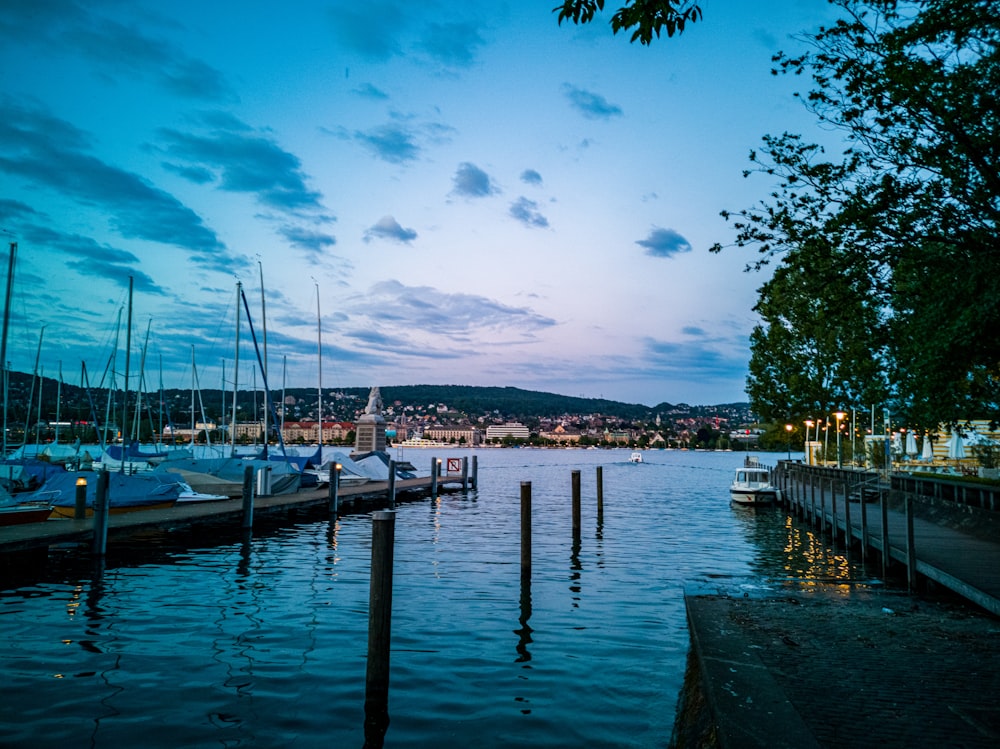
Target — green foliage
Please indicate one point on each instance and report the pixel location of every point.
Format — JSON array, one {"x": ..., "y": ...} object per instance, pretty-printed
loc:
[
  {"x": 988, "y": 455},
  {"x": 887, "y": 279},
  {"x": 648, "y": 17}
]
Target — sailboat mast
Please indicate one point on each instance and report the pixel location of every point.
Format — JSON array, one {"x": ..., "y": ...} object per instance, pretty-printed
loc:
[
  {"x": 31, "y": 397},
  {"x": 3, "y": 344},
  {"x": 58, "y": 402},
  {"x": 263, "y": 320},
  {"x": 128, "y": 359},
  {"x": 319, "y": 358},
  {"x": 236, "y": 369},
  {"x": 192, "y": 395}
]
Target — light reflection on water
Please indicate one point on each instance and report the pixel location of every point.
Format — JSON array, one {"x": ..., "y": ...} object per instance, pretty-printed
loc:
[{"x": 261, "y": 641}]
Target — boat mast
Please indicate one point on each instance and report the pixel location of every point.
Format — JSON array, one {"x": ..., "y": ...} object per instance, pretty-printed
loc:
[
  {"x": 128, "y": 359},
  {"x": 58, "y": 401},
  {"x": 319, "y": 357},
  {"x": 31, "y": 396},
  {"x": 236, "y": 369},
  {"x": 284, "y": 374},
  {"x": 192, "y": 394},
  {"x": 263, "y": 366},
  {"x": 3, "y": 344},
  {"x": 38, "y": 418}
]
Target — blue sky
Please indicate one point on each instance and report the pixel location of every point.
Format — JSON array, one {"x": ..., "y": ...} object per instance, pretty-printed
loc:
[{"x": 478, "y": 195}]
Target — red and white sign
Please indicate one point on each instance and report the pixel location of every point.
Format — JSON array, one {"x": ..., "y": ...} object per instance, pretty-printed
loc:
[{"x": 454, "y": 465}]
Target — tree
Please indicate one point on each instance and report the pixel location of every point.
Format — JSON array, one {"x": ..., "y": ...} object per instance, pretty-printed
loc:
[
  {"x": 886, "y": 253},
  {"x": 648, "y": 17}
]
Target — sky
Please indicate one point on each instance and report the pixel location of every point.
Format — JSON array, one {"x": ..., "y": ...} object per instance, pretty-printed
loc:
[{"x": 433, "y": 193}]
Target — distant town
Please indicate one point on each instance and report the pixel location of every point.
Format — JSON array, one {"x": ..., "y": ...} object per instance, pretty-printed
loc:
[{"x": 44, "y": 410}]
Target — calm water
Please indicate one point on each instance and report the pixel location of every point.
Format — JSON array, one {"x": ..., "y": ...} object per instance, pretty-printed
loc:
[{"x": 218, "y": 641}]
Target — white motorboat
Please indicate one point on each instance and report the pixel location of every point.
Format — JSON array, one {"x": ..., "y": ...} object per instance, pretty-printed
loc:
[
  {"x": 635, "y": 458},
  {"x": 752, "y": 486}
]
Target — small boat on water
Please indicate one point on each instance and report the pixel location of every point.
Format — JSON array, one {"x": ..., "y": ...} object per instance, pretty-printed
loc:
[
  {"x": 635, "y": 457},
  {"x": 13, "y": 512},
  {"x": 752, "y": 486}
]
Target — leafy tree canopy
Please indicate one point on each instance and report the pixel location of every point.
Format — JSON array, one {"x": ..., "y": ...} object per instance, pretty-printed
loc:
[{"x": 887, "y": 280}]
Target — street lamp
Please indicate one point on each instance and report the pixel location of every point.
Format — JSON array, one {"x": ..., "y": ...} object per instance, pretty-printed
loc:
[
  {"x": 788, "y": 440},
  {"x": 840, "y": 457},
  {"x": 809, "y": 424}
]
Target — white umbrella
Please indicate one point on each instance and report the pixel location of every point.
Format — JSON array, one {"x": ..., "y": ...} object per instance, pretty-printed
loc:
[
  {"x": 928, "y": 450},
  {"x": 956, "y": 446},
  {"x": 897, "y": 442},
  {"x": 911, "y": 443}
]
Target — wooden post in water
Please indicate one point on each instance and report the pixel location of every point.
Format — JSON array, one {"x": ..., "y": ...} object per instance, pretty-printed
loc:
[
  {"x": 101, "y": 510},
  {"x": 600, "y": 494},
  {"x": 465, "y": 474},
  {"x": 833, "y": 512},
  {"x": 883, "y": 502},
  {"x": 911, "y": 557},
  {"x": 379, "y": 628},
  {"x": 475, "y": 472},
  {"x": 525, "y": 530},
  {"x": 812, "y": 500},
  {"x": 80, "y": 505},
  {"x": 391, "y": 492},
  {"x": 335, "y": 469},
  {"x": 864, "y": 529},
  {"x": 848, "y": 533},
  {"x": 822, "y": 507},
  {"x": 575, "y": 481},
  {"x": 247, "y": 498},
  {"x": 434, "y": 476}
]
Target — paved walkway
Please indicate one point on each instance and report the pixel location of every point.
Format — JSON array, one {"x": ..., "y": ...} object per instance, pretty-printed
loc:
[{"x": 825, "y": 668}]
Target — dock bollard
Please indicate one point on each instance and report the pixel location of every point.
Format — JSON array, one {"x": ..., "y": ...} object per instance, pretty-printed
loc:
[
  {"x": 391, "y": 491},
  {"x": 525, "y": 530},
  {"x": 335, "y": 469},
  {"x": 248, "y": 475},
  {"x": 575, "y": 481},
  {"x": 101, "y": 510},
  {"x": 379, "y": 626},
  {"x": 80, "y": 507}
]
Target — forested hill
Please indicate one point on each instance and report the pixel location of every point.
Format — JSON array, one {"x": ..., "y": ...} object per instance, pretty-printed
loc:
[{"x": 347, "y": 403}]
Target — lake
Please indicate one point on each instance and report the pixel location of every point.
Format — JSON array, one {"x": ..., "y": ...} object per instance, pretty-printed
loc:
[{"x": 214, "y": 640}]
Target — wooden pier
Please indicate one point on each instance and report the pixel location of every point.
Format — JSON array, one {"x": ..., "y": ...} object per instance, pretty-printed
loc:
[
  {"x": 954, "y": 541},
  {"x": 374, "y": 495}
]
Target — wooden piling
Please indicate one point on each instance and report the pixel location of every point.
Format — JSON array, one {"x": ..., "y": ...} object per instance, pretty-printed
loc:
[
  {"x": 248, "y": 475},
  {"x": 600, "y": 494},
  {"x": 101, "y": 510},
  {"x": 391, "y": 489},
  {"x": 848, "y": 533},
  {"x": 379, "y": 626},
  {"x": 435, "y": 466},
  {"x": 833, "y": 513},
  {"x": 575, "y": 481},
  {"x": 884, "y": 510},
  {"x": 864, "y": 529},
  {"x": 475, "y": 472},
  {"x": 812, "y": 501},
  {"x": 525, "y": 529}
]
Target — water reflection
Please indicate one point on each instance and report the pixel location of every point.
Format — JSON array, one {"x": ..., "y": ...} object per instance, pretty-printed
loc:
[{"x": 524, "y": 633}]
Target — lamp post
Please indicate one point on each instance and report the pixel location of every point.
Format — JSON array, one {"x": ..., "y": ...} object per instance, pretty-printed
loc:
[
  {"x": 788, "y": 439},
  {"x": 840, "y": 457},
  {"x": 809, "y": 424}
]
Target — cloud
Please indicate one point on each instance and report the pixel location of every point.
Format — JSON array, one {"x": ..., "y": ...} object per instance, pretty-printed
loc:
[
  {"x": 423, "y": 308},
  {"x": 371, "y": 29},
  {"x": 391, "y": 142},
  {"x": 368, "y": 91},
  {"x": 664, "y": 243},
  {"x": 472, "y": 182},
  {"x": 694, "y": 360},
  {"x": 117, "y": 48},
  {"x": 590, "y": 105},
  {"x": 526, "y": 211},
  {"x": 52, "y": 153},
  {"x": 388, "y": 228},
  {"x": 531, "y": 177},
  {"x": 243, "y": 161},
  {"x": 452, "y": 44},
  {"x": 308, "y": 239}
]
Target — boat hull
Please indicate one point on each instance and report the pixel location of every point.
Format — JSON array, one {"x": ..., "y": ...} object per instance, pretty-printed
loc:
[
  {"x": 21, "y": 515},
  {"x": 754, "y": 497}
]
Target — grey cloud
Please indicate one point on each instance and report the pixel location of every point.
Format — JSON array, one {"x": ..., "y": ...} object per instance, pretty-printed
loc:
[
  {"x": 245, "y": 162},
  {"x": 388, "y": 228},
  {"x": 531, "y": 177},
  {"x": 664, "y": 243},
  {"x": 368, "y": 91},
  {"x": 591, "y": 105},
  {"x": 472, "y": 182},
  {"x": 391, "y": 142},
  {"x": 452, "y": 44},
  {"x": 696, "y": 360},
  {"x": 371, "y": 29},
  {"x": 526, "y": 211},
  {"x": 308, "y": 239},
  {"x": 51, "y": 153}
]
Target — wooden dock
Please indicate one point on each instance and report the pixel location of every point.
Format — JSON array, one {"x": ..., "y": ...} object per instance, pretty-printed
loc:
[
  {"x": 373, "y": 495},
  {"x": 954, "y": 544}
]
